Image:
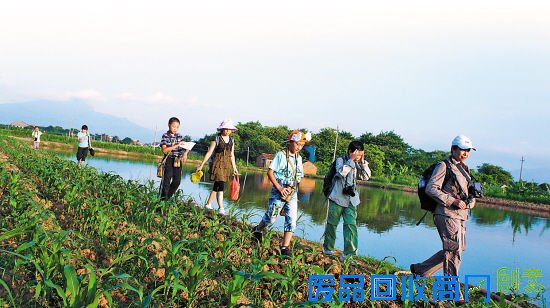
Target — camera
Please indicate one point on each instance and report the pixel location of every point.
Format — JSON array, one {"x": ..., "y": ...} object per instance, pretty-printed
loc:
[
  {"x": 349, "y": 190},
  {"x": 475, "y": 190}
]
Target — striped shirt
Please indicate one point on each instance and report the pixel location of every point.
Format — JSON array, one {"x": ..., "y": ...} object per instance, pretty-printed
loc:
[{"x": 169, "y": 140}]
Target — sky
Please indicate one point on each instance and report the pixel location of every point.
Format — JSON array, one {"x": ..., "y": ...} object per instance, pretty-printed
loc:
[{"x": 427, "y": 70}]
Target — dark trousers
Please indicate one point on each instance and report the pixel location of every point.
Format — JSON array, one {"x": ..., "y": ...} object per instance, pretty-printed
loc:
[
  {"x": 170, "y": 180},
  {"x": 218, "y": 186},
  {"x": 81, "y": 153}
]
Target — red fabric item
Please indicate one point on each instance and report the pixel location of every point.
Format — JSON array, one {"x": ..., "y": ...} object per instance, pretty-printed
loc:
[{"x": 234, "y": 187}]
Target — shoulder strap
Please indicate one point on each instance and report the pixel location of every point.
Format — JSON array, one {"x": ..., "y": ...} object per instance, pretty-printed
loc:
[
  {"x": 461, "y": 193},
  {"x": 292, "y": 165},
  {"x": 448, "y": 172},
  {"x": 165, "y": 157},
  {"x": 465, "y": 174}
]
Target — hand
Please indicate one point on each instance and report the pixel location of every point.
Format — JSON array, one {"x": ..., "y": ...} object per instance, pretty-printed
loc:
[
  {"x": 235, "y": 172},
  {"x": 284, "y": 191},
  {"x": 181, "y": 144},
  {"x": 357, "y": 155},
  {"x": 462, "y": 205},
  {"x": 353, "y": 156},
  {"x": 184, "y": 156},
  {"x": 199, "y": 168},
  {"x": 361, "y": 157}
]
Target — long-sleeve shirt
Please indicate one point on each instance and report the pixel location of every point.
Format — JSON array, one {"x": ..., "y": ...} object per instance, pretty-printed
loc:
[
  {"x": 36, "y": 135},
  {"x": 447, "y": 196},
  {"x": 347, "y": 172}
]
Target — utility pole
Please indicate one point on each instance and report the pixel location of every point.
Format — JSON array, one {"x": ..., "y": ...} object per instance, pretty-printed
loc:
[
  {"x": 335, "y": 145},
  {"x": 521, "y": 168},
  {"x": 154, "y": 136}
]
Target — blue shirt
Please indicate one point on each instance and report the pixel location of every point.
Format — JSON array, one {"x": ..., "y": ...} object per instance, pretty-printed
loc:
[
  {"x": 170, "y": 140},
  {"x": 284, "y": 169}
]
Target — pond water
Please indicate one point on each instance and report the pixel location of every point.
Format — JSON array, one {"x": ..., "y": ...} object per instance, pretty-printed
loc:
[{"x": 386, "y": 223}]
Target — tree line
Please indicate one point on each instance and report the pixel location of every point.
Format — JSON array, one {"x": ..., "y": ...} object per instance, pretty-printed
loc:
[{"x": 391, "y": 159}]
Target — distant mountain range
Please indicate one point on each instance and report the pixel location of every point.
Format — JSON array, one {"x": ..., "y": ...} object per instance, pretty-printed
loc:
[{"x": 72, "y": 114}]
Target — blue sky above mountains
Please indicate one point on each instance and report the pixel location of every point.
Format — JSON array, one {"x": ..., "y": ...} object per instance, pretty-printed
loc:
[{"x": 428, "y": 70}]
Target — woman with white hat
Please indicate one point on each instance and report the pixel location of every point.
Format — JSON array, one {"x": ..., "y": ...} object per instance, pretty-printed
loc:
[{"x": 222, "y": 151}]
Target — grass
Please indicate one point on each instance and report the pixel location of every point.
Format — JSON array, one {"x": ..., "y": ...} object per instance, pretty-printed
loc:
[{"x": 80, "y": 237}]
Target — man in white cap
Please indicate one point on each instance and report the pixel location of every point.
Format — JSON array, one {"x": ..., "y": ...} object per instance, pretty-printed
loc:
[{"x": 451, "y": 213}]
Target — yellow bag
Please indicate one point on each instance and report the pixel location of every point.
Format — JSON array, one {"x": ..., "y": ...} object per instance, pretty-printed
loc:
[{"x": 196, "y": 177}]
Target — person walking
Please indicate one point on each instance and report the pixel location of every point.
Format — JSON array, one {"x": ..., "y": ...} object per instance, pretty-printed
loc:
[
  {"x": 172, "y": 144},
  {"x": 222, "y": 152},
  {"x": 83, "y": 143},
  {"x": 285, "y": 172},
  {"x": 344, "y": 199},
  {"x": 451, "y": 213},
  {"x": 36, "y": 133}
]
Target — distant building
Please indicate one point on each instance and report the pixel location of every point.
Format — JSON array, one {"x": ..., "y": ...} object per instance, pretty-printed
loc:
[
  {"x": 20, "y": 124},
  {"x": 105, "y": 137},
  {"x": 307, "y": 185},
  {"x": 264, "y": 159},
  {"x": 310, "y": 168}
]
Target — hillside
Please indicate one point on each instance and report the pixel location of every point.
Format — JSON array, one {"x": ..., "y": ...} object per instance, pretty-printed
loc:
[{"x": 73, "y": 114}]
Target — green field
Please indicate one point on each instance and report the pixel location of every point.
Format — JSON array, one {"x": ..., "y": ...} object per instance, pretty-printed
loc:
[{"x": 79, "y": 237}]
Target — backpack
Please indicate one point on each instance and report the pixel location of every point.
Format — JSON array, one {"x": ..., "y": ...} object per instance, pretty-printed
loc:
[
  {"x": 328, "y": 181},
  {"x": 426, "y": 202}
]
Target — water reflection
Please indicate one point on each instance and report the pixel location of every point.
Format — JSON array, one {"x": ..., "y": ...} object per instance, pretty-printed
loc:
[
  {"x": 386, "y": 221},
  {"x": 380, "y": 210}
]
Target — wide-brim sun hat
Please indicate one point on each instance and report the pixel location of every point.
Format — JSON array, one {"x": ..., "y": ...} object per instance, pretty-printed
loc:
[
  {"x": 298, "y": 136},
  {"x": 227, "y": 124},
  {"x": 463, "y": 142}
]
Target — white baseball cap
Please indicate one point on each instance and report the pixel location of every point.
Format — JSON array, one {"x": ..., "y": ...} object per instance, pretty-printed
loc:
[{"x": 463, "y": 142}]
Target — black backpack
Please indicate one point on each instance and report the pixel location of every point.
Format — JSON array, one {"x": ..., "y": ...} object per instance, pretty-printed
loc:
[
  {"x": 328, "y": 181},
  {"x": 426, "y": 202}
]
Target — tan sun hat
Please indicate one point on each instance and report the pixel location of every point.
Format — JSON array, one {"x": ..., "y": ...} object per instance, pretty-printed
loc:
[{"x": 227, "y": 124}]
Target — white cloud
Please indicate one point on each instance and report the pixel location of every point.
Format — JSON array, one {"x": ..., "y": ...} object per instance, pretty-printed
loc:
[
  {"x": 160, "y": 99},
  {"x": 86, "y": 95}
]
